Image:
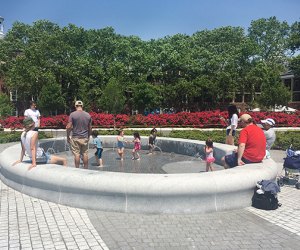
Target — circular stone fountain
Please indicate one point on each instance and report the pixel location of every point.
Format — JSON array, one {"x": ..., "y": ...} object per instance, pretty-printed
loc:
[{"x": 178, "y": 186}]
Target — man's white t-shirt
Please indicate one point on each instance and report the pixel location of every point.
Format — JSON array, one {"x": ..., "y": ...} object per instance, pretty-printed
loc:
[{"x": 34, "y": 114}]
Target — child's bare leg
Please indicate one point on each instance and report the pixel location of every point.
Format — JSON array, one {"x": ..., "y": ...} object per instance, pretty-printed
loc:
[
  {"x": 207, "y": 166},
  {"x": 100, "y": 162},
  {"x": 138, "y": 155}
]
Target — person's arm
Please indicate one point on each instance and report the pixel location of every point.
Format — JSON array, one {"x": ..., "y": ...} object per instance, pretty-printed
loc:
[
  {"x": 90, "y": 129},
  {"x": 33, "y": 143},
  {"x": 240, "y": 153},
  {"x": 39, "y": 119},
  {"x": 21, "y": 155},
  {"x": 69, "y": 129}
]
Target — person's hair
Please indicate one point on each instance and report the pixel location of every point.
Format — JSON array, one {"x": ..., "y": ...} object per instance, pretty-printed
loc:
[
  {"x": 120, "y": 131},
  {"x": 136, "y": 135},
  {"x": 32, "y": 103},
  {"x": 28, "y": 128},
  {"x": 232, "y": 109},
  {"x": 154, "y": 130},
  {"x": 95, "y": 133},
  {"x": 209, "y": 143}
]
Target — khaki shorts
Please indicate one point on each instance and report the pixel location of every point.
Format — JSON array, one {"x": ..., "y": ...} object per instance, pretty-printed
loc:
[{"x": 79, "y": 146}]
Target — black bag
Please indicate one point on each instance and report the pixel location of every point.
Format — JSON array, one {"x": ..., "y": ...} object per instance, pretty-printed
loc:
[{"x": 266, "y": 201}]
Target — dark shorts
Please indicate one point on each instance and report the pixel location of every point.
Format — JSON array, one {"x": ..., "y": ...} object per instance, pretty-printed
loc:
[
  {"x": 231, "y": 160},
  {"x": 98, "y": 153},
  {"x": 228, "y": 130}
]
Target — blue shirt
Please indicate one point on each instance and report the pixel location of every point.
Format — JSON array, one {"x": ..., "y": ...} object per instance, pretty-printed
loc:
[{"x": 97, "y": 142}]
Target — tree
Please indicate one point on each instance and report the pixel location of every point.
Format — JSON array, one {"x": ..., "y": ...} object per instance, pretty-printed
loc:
[
  {"x": 274, "y": 93},
  {"x": 6, "y": 106},
  {"x": 113, "y": 99},
  {"x": 146, "y": 96},
  {"x": 271, "y": 37},
  {"x": 51, "y": 100}
]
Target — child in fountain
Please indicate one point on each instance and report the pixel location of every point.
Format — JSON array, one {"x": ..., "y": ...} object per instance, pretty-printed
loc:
[
  {"x": 209, "y": 152},
  {"x": 152, "y": 139},
  {"x": 137, "y": 146},
  {"x": 120, "y": 144},
  {"x": 97, "y": 143}
]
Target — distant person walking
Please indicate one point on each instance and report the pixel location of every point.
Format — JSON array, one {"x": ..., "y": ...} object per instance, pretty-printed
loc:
[
  {"x": 80, "y": 124},
  {"x": 33, "y": 113},
  {"x": 233, "y": 117}
]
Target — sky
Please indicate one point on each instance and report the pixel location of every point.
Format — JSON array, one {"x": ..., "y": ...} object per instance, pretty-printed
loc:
[{"x": 148, "y": 19}]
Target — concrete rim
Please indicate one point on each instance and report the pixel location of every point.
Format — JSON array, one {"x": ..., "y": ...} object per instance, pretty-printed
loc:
[{"x": 139, "y": 193}]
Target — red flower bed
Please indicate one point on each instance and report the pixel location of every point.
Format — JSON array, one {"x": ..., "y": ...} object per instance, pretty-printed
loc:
[{"x": 205, "y": 119}]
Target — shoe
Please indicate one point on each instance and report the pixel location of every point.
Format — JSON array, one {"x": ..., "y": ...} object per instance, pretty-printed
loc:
[
  {"x": 132, "y": 158},
  {"x": 138, "y": 159}
]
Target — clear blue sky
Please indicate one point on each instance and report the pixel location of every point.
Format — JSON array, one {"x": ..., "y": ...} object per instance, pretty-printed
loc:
[{"x": 149, "y": 18}]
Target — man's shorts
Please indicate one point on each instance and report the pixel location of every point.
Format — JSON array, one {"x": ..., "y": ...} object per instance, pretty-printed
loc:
[
  {"x": 228, "y": 131},
  {"x": 79, "y": 146},
  {"x": 231, "y": 160}
]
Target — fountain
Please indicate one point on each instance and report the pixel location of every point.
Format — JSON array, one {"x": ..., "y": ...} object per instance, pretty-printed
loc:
[{"x": 171, "y": 187}]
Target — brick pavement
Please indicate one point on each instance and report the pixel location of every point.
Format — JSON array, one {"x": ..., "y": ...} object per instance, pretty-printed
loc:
[{"x": 30, "y": 223}]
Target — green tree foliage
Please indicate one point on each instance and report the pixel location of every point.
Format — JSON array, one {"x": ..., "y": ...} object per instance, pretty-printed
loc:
[
  {"x": 5, "y": 106},
  {"x": 180, "y": 71},
  {"x": 113, "y": 98},
  {"x": 146, "y": 96},
  {"x": 51, "y": 99}
]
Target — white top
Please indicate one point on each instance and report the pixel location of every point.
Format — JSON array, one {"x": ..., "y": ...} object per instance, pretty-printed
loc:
[
  {"x": 34, "y": 114},
  {"x": 26, "y": 143},
  {"x": 270, "y": 136},
  {"x": 233, "y": 122}
]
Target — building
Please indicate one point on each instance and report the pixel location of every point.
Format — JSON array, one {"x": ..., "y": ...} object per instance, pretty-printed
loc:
[{"x": 292, "y": 82}]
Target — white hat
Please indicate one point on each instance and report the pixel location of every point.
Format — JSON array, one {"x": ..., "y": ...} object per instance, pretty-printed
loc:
[
  {"x": 269, "y": 121},
  {"x": 78, "y": 103}
]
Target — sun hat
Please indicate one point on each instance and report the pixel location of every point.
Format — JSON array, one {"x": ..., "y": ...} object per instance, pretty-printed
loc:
[
  {"x": 245, "y": 118},
  {"x": 269, "y": 121},
  {"x": 78, "y": 103},
  {"x": 27, "y": 121}
]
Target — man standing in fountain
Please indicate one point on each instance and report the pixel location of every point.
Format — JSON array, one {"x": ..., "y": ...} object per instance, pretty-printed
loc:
[{"x": 80, "y": 124}]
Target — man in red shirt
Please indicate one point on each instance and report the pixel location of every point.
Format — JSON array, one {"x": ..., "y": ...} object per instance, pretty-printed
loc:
[{"x": 252, "y": 145}]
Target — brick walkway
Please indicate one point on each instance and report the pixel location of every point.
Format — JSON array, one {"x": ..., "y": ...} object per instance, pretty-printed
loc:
[{"x": 30, "y": 223}]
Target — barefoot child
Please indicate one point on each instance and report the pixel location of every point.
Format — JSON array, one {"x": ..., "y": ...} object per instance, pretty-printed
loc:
[
  {"x": 97, "y": 143},
  {"x": 120, "y": 144},
  {"x": 137, "y": 146},
  {"x": 209, "y": 152},
  {"x": 152, "y": 139}
]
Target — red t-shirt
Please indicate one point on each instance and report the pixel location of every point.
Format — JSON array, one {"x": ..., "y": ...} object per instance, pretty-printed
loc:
[{"x": 255, "y": 143}]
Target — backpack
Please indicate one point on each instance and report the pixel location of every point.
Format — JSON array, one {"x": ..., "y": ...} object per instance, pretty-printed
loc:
[{"x": 265, "y": 201}]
